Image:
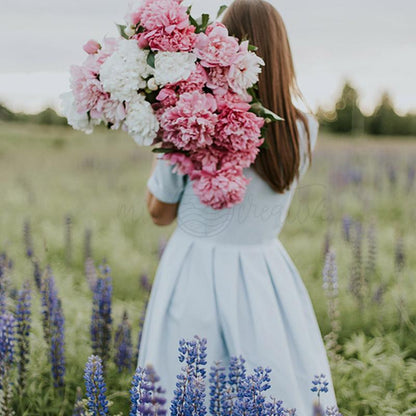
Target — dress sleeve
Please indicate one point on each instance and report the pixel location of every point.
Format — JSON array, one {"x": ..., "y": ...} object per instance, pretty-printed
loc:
[
  {"x": 313, "y": 131},
  {"x": 167, "y": 186}
]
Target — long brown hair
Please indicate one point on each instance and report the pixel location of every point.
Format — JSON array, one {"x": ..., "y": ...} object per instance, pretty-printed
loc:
[{"x": 260, "y": 23}]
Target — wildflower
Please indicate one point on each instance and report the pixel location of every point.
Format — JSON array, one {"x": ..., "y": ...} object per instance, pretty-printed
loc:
[
  {"x": 320, "y": 385},
  {"x": 146, "y": 397},
  {"x": 123, "y": 345},
  {"x": 27, "y": 236},
  {"x": 23, "y": 318},
  {"x": 95, "y": 386}
]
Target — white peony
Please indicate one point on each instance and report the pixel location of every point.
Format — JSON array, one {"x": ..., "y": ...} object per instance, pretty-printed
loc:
[
  {"x": 172, "y": 67},
  {"x": 141, "y": 121},
  {"x": 245, "y": 70},
  {"x": 124, "y": 72},
  {"x": 79, "y": 121}
]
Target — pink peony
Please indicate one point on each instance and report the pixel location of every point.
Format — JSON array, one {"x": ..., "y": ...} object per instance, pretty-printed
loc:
[
  {"x": 223, "y": 189},
  {"x": 166, "y": 24},
  {"x": 215, "y": 47},
  {"x": 183, "y": 163},
  {"x": 87, "y": 89},
  {"x": 175, "y": 41},
  {"x": 92, "y": 47},
  {"x": 218, "y": 80},
  {"x": 238, "y": 129},
  {"x": 191, "y": 123},
  {"x": 196, "y": 81},
  {"x": 167, "y": 97}
]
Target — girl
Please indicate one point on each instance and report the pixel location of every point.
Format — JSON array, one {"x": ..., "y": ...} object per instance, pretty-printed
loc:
[{"x": 224, "y": 274}]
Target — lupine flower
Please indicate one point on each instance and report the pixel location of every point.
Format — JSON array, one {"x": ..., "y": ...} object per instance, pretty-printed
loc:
[
  {"x": 190, "y": 380},
  {"x": 145, "y": 283},
  {"x": 392, "y": 174},
  {"x": 23, "y": 317},
  {"x": 399, "y": 256},
  {"x": 27, "y": 236},
  {"x": 330, "y": 275},
  {"x": 250, "y": 398},
  {"x": 332, "y": 411},
  {"x": 217, "y": 388},
  {"x": 95, "y": 386},
  {"x": 5, "y": 266},
  {"x": 101, "y": 322},
  {"x": 346, "y": 227},
  {"x": 146, "y": 396},
  {"x": 57, "y": 347},
  {"x": 53, "y": 326},
  {"x": 372, "y": 250},
  {"x": 123, "y": 345},
  {"x": 317, "y": 410},
  {"x": 37, "y": 274},
  {"x": 275, "y": 408},
  {"x": 357, "y": 278},
  {"x": 87, "y": 244},
  {"x": 79, "y": 406},
  {"x": 68, "y": 239},
  {"x": 327, "y": 243},
  {"x": 320, "y": 385},
  {"x": 7, "y": 346}
]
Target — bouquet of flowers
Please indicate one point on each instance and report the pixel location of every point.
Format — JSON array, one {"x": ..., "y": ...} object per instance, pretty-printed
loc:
[{"x": 182, "y": 85}]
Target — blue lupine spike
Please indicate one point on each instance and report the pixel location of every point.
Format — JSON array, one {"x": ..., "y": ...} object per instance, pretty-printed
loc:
[
  {"x": 23, "y": 317},
  {"x": 332, "y": 411},
  {"x": 123, "y": 345},
  {"x": 217, "y": 389},
  {"x": 95, "y": 387}
]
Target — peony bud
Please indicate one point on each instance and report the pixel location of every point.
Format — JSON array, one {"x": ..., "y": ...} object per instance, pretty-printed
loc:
[
  {"x": 91, "y": 47},
  {"x": 151, "y": 84}
]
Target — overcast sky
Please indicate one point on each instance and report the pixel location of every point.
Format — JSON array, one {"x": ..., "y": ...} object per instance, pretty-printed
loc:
[{"x": 370, "y": 42}]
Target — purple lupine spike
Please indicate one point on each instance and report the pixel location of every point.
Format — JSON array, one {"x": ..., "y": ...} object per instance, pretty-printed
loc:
[
  {"x": 327, "y": 243},
  {"x": 145, "y": 283},
  {"x": 189, "y": 385},
  {"x": 319, "y": 385},
  {"x": 95, "y": 386},
  {"x": 399, "y": 255},
  {"x": 123, "y": 345},
  {"x": 392, "y": 175},
  {"x": 332, "y": 411},
  {"x": 250, "y": 398},
  {"x": 37, "y": 274},
  {"x": 79, "y": 407},
  {"x": 87, "y": 244},
  {"x": 330, "y": 275},
  {"x": 346, "y": 227},
  {"x": 372, "y": 250},
  {"x": 7, "y": 356},
  {"x": 217, "y": 389},
  {"x": 53, "y": 322},
  {"x": 27, "y": 238},
  {"x": 23, "y": 318},
  {"x": 101, "y": 320},
  {"x": 4, "y": 281},
  {"x": 275, "y": 408},
  {"x": 68, "y": 239},
  {"x": 147, "y": 397},
  {"x": 357, "y": 282}
]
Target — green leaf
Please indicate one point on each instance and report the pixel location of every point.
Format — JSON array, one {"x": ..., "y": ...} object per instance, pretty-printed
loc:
[
  {"x": 261, "y": 111},
  {"x": 221, "y": 10},
  {"x": 204, "y": 22},
  {"x": 188, "y": 10},
  {"x": 193, "y": 22},
  {"x": 151, "y": 59},
  {"x": 252, "y": 48},
  {"x": 122, "y": 30}
]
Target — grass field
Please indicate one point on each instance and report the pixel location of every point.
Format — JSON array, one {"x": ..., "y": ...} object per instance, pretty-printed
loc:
[{"x": 98, "y": 181}]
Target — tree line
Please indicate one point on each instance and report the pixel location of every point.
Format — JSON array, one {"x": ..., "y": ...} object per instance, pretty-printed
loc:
[{"x": 347, "y": 118}]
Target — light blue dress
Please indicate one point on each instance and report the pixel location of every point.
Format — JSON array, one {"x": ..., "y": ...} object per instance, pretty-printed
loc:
[{"x": 225, "y": 276}]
